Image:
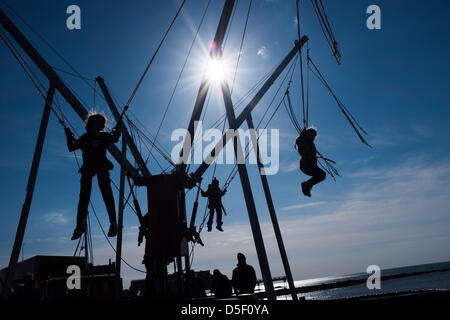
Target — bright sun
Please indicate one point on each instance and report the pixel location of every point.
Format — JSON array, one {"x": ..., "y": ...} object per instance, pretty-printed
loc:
[{"x": 216, "y": 70}]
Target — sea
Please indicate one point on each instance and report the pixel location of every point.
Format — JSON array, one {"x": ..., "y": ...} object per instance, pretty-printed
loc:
[{"x": 434, "y": 277}]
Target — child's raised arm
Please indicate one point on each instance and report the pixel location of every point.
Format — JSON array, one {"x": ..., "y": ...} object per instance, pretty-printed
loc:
[{"x": 72, "y": 143}]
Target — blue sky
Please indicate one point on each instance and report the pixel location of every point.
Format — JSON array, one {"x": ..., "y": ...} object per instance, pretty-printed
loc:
[{"x": 389, "y": 208}]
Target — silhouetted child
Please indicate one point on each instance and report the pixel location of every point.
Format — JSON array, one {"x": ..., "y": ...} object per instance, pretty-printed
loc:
[
  {"x": 308, "y": 163},
  {"x": 93, "y": 144},
  {"x": 214, "y": 194}
]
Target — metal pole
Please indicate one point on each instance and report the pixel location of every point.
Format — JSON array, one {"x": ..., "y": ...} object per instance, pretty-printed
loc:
[
  {"x": 216, "y": 46},
  {"x": 120, "y": 223},
  {"x": 29, "y": 193},
  {"x": 272, "y": 212},
  {"x": 252, "y": 104},
  {"x": 194, "y": 210},
  {"x": 182, "y": 219},
  {"x": 180, "y": 284},
  {"x": 86, "y": 243},
  {"x": 249, "y": 200}
]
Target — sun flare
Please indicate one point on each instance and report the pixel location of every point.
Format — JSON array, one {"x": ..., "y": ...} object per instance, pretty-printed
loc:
[{"x": 217, "y": 70}]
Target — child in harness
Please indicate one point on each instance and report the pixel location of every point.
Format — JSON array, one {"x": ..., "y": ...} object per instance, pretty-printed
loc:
[
  {"x": 308, "y": 162},
  {"x": 93, "y": 144}
]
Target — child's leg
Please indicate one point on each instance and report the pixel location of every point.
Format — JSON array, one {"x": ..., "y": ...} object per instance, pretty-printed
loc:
[
  {"x": 211, "y": 217},
  {"x": 311, "y": 169},
  {"x": 85, "y": 196},
  {"x": 219, "y": 216},
  {"x": 104, "y": 183},
  {"x": 318, "y": 175}
]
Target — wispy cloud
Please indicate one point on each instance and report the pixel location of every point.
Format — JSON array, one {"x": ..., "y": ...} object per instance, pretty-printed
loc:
[
  {"x": 363, "y": 160},
  {"x": 304, "y": 205},
  {"x": 422, "y": 130},
  {"x": 56, "y": 218},
  {"x": 293, "y": 166},
  {"x": 390, "y": 136},
  {"x": 417, "y": 170}
]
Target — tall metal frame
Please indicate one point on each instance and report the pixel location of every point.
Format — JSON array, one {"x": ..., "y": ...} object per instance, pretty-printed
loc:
[
  {"x": 138, "y": 174},
  {"x": 235, "y": 123},
  {"x": 56, "y": 84},
  {"x": 29, "y": 194}
]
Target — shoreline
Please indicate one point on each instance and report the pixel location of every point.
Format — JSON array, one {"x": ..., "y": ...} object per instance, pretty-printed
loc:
[{"x": 346, "y": 283}]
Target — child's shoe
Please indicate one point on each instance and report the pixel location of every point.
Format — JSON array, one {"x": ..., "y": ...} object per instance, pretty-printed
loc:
[
  {"x": 306, "y": 189},
  {"x": 77, "y": 233},
  {"x": 112, "y": 230}
]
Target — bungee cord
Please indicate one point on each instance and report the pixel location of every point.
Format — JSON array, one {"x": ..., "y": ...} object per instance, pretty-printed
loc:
[{"x": 127, "y": 105}]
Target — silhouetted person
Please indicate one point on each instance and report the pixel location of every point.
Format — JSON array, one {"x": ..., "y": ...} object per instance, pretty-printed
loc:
[
  {"x": 93, "y": 144},
  {"x": 244, "y": 276},
  {"x": 214, "y": 194},
  {"x": 31, "y": 290},
  {"x": 195, "y": 285},
  {"x": 221, "y": 286},
  {"x": 308, "y": 163}
]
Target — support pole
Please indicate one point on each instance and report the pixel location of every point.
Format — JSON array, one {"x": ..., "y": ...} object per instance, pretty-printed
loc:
[
  {"x": 182, "y": 219},
  {"x": 273, "y": 215},
  {"x": 180, "y": 284},
  {"x": 29, "y": 193},
  {"x": 216, "y": 47},
  {"x": 195, "y": 209},
  {"x": 86, "y": 242},
  {"x": 248, "y": 195},
  {"x": 121, "y": 206}
]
